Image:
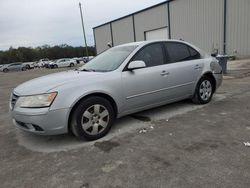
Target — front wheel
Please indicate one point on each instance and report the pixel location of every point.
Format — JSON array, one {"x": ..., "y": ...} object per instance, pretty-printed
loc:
[
  {"x": 204, "y": 91},
  {"x": 92, "y": 118}
]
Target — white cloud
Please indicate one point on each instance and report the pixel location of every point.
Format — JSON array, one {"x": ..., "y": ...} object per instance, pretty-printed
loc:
[{"x": 39, "y": 22}]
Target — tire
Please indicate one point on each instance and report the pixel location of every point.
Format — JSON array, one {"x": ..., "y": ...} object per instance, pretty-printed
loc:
[
  {"x": 5, "y": 70},
  {"x": 55, "y": 66},
  {"x": 72, "y": 65},
  {"x": 204, "y": 91},
  {"x": 27, "y": 66},
  {"x": 86, "y": 118}
]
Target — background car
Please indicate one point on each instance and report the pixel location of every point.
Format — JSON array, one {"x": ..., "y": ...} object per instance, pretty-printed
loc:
[
  {"x": 13, "y": 67},
  {"x": 43, "y": 62},
  {"x": 79, "y": 60},
  {"x": 87, "y": 59},
  {"x": 29, "y": 65},
  {"x": 66, "y": 62}
]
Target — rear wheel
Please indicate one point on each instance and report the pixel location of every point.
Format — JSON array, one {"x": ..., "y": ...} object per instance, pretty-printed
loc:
[
  {"x": 92, "y": 118},
  {"x": 5, "y": 70},
  {"x": 204, "y": 91},
  {"x": 72, "y": 65},
  {"x": 55, "y": 66}
]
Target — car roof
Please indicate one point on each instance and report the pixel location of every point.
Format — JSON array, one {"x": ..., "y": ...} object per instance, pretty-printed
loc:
[
  {"x": 143, "y": 43},
  {"x": 150, "y": 41}
]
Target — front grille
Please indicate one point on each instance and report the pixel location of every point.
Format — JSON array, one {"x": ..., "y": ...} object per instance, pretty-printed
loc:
[{"x": 13, "y": 100}]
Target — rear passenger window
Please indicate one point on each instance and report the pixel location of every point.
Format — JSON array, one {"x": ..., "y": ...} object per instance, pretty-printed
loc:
[
  {"x": 194, "y": 54},
  {"x": 178, "y": 52},
  {"x": 152, "y": 55}
]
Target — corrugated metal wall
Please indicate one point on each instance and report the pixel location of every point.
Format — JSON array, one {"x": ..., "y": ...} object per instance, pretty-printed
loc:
[
  {"x": 149, "y": 20},
  {"x": 102, "y": 38},
  {"x": 199, "y": 22},
  {"x": 238, "y": 27},
  {"x": 123, "y": 31}
]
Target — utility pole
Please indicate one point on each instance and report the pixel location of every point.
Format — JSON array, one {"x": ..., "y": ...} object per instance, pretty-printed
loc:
[{"x": 83, "y": 29}]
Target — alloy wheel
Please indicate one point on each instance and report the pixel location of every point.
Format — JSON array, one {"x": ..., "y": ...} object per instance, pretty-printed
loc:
[
  {"x": 205, "y": 90},
  {"x": 95, "y": 119}
]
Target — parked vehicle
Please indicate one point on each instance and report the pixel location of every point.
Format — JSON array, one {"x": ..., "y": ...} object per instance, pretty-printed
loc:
[
  {"x": 121, "y": 81},
  {"x": 79, "y": 60},
  {"x": 13, "y": 67},
  {"x": 43, "y": 62},
  {"x": 29, "y": 65},
  {"x": 87, "y": 59},
  {"x": 66, "y": 62}
]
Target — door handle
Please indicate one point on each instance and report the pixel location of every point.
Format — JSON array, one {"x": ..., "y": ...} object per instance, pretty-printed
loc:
[{"x": 164, "y": 73}]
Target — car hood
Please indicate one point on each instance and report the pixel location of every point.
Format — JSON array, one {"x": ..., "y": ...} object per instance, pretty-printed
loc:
[{"x": 46, "y": 83}]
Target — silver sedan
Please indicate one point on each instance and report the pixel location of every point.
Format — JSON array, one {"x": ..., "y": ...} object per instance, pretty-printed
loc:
[
  {"x": 13, "y": 67},
  {"x": 122, "y": 80}
]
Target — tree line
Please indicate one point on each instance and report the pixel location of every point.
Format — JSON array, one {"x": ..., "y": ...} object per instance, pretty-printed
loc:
[{"x": 28, "y": 54}]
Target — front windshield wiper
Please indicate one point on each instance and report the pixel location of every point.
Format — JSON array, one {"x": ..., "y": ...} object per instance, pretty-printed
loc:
[{"x": 87, "y": 70}]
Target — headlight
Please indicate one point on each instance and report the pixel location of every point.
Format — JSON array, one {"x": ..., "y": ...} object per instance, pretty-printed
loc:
[{"x": 36, "y": 101}]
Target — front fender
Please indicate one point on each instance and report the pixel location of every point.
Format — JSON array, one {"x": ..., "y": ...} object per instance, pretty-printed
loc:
[{"x": 70, "y": 94}]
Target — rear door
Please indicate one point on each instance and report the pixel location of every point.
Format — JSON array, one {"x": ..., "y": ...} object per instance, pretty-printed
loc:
[
  {"x": 184, "y": 65},
  {"x": 13, "y": 67},
  {"x": 19, "y": 66}
]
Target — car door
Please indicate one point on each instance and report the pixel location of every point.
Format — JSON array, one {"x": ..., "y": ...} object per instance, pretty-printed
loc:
[
  {"x": 65, "y": 63},
  {"x": 143, "y": 87},
  {"x": 61, "y": 63},
  {"x": 183, "y": 66},
  {"x": 18, "y": 66},
  {"x": 12, "y": 67}
]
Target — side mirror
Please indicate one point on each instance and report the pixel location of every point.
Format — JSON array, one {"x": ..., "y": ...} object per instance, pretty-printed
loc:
[{"x": 136, "y": 65}]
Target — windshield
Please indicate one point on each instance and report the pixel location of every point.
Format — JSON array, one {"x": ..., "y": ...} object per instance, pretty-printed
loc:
[{"x": 109, "y": 60}]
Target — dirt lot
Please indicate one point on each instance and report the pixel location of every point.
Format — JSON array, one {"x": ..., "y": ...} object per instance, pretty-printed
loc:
[{"x": 185, "y": 145}]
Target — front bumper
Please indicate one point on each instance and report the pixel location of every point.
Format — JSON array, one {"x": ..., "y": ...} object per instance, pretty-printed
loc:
[{"x": 41, "y": 121}]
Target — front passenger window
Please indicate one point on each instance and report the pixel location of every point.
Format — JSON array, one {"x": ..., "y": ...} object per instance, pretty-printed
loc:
[{"x": 152, "y": 55}]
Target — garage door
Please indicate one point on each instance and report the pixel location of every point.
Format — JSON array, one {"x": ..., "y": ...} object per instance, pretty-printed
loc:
[{"x": 157, "y": 34}]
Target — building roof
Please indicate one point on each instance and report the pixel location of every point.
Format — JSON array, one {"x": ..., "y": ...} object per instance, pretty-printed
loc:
[{"x": 159, "y": 4}]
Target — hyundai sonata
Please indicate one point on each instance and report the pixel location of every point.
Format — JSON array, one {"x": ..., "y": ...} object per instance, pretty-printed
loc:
[{"x": 122, "y": 80}]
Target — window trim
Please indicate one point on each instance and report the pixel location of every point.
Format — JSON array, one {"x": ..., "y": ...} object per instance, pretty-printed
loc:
[
  {"x": 188, "y": 47},
  {"x": 142, "y": 48}
]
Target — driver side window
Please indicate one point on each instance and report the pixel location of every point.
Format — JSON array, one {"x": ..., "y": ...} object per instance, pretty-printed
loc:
[{"x": 152, "y": 55}]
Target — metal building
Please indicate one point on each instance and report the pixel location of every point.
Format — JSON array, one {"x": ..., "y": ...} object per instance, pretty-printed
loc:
[{"x": 213, "y": 25}]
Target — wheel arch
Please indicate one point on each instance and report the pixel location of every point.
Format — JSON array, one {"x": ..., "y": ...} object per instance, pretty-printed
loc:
[
  {"x": 211, "y": 76},
  {"x": 96, "y": 94}
]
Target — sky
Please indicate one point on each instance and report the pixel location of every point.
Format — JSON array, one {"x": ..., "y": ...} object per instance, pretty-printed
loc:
[{"x": 32, "y": 23}]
